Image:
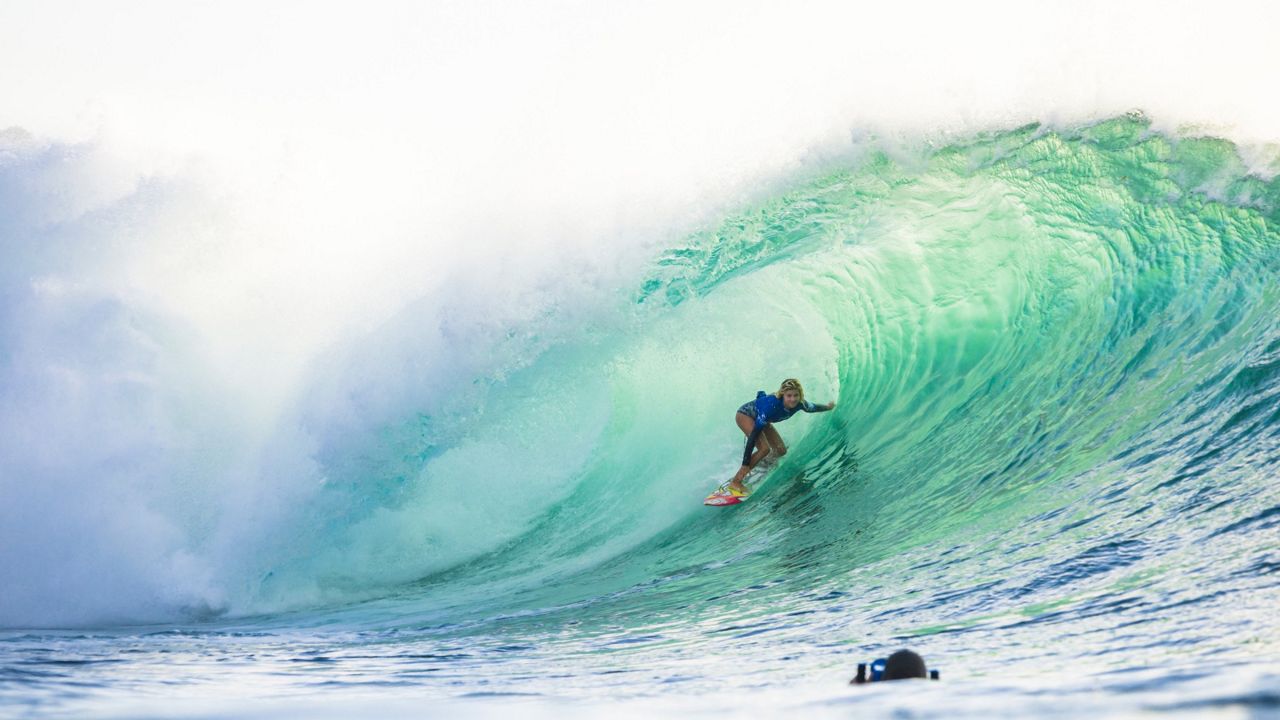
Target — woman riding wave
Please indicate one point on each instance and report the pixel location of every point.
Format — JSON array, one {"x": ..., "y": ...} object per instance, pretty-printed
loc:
[{"x": 756, "y": 417}]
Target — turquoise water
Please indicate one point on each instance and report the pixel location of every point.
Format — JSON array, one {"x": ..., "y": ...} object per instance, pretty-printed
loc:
[{"x": 1056, "y": 358}]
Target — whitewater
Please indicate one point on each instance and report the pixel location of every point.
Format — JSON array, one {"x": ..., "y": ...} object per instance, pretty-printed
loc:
[{"x": 309, "y": 428}]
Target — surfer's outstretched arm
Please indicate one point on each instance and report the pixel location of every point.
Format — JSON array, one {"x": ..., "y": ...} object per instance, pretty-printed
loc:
[{"x": 811, "y": 408}]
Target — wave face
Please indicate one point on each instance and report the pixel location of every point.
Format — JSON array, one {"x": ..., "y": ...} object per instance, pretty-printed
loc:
[{"x": 1056, "y": 357}]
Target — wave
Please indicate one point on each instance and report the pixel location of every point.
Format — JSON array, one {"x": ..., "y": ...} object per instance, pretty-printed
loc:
[
  {"x": 1056, "y": 355},
  {"x": 1027, "y": 326}
]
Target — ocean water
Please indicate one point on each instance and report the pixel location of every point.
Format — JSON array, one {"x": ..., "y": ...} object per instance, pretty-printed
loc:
[{"x": 1051, "y": 471}]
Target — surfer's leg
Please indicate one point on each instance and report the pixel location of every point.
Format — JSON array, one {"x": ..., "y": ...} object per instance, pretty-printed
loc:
[
  {"x": 775, "y": 441},
  {"x": 746, "y": 425}
]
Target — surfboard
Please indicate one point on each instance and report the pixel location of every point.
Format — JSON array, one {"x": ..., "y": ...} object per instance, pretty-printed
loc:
[{"x": 721, "y": 497}]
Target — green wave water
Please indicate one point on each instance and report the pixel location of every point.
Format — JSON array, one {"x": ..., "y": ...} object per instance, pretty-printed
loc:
[
  {"x": 1056, "y": 357},
  {"x": 1017, "y": 329}
]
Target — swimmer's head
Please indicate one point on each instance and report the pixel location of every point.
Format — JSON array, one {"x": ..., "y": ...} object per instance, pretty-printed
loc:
[
  {"x": 904, "y": 664},
  {"x": 901, "y": 665},
  {"x": 790, "y": 393}
]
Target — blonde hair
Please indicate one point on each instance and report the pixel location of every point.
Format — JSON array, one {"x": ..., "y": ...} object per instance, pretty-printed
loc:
[{"x": 790, "y": 384}]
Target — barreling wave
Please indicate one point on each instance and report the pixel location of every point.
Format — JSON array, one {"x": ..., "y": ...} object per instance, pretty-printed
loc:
[{"x": 1056, "y": 356}]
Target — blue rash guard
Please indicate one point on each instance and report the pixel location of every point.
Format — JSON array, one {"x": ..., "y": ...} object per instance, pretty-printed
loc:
[{"x": 767, "y": 409}]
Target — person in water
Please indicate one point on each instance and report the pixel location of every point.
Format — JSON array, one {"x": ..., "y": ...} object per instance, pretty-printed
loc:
[
  {"x": 756, "y": 418},
  {"x": 902, "y": 665}
]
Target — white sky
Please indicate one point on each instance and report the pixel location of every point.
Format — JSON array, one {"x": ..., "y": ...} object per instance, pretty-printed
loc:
[
  {"x": 209, "y": 74},
  {"x": 364, "y": 142}
]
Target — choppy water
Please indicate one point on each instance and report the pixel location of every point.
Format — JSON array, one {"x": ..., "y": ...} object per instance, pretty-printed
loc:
[{"x": 1056, "y": 355}]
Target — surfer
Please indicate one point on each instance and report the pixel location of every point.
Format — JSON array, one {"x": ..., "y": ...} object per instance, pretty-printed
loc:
[{"x": 756, "y": 417}]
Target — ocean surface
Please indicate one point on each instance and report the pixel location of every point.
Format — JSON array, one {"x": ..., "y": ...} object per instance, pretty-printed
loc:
[{"x": 1052, "y": 471}]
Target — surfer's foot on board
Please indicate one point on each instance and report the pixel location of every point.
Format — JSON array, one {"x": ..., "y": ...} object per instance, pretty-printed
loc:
[{"x": 738, "y": 490}]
